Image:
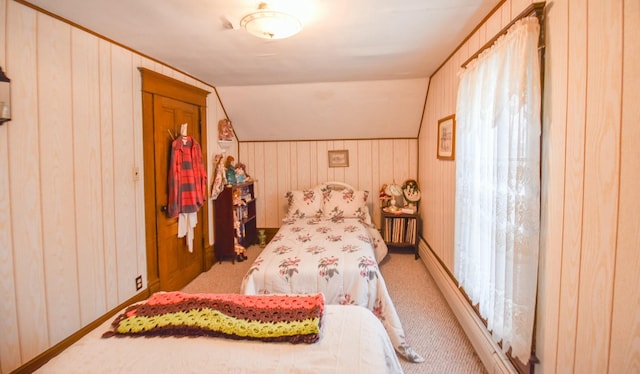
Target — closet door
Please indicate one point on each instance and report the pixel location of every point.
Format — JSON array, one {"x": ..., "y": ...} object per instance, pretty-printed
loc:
[
  {"x": 177, "y": 266},
  {"x": 166, "y": 104}
]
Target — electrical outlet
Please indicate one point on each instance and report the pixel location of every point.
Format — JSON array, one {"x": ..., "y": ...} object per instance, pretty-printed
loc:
[{"x": 138, "y": 282}]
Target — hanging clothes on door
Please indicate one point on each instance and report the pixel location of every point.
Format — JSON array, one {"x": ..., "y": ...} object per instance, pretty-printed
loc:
[
  {"x": 187, "y": 184},
  {"x": 186, "y": 223}
]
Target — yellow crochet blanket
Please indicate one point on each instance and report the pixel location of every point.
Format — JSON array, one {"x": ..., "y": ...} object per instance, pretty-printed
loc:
[{"x": 269, "y": 318}]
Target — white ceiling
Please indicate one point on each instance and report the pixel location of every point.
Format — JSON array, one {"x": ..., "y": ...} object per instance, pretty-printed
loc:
[{"x": 345, "y": 47}]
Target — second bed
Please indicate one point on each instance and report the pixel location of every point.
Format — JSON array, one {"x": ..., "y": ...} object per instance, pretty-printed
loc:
[{"x": 328, "y": 245}]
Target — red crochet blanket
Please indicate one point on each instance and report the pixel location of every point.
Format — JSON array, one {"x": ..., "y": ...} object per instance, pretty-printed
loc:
[{"x": 269, "y": 318}]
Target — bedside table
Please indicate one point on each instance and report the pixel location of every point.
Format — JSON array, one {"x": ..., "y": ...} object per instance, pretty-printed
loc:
[{"x": 400, "y": 230}]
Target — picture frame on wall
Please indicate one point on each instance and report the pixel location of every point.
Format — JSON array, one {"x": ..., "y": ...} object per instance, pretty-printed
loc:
[
  {"x": 447, "y": 138},
  {"x": 339, "y": 159}
]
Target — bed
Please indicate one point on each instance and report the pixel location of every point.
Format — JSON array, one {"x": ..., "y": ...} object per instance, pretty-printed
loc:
[
  {"x": 327, "y": 244},
  {"x": 351, "y": 340}
]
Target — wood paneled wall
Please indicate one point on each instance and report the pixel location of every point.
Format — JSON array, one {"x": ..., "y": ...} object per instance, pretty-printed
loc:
[
  {"x": 71, "y": 212},
  {"x": 280, "y": 167},
  {"x": 588, "y": 299},
  {"x": 71, "y": 233},
  {"x": 593, "y": 237}
]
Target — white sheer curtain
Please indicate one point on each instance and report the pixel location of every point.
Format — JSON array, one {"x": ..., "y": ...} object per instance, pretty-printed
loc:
[{"x": 497, "y": 220}]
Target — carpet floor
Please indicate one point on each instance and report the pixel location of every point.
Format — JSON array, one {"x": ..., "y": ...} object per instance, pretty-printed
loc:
[{"x": 429, "y": 324}]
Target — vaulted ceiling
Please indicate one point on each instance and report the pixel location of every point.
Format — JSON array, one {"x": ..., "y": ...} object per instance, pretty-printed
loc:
[{"x": 358, "y": 69}]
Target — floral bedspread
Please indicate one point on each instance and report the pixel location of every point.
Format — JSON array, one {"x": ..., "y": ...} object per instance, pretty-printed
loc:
[{"x": 338, "y": 259}]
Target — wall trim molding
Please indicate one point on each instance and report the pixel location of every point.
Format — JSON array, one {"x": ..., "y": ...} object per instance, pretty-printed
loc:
[
  {"x": 490, "y": 354},
  {"x": 44, "y": 357}
]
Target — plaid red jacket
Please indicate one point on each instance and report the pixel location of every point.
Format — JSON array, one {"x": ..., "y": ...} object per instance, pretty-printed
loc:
[{"x": 187, "y": 182}]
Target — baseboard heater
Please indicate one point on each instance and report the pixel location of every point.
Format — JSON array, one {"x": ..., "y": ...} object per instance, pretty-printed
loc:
[{"x": 489, "y": 352}]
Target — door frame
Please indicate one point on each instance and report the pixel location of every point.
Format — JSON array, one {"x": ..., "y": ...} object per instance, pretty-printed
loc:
[{"x": 157, "y": 84}]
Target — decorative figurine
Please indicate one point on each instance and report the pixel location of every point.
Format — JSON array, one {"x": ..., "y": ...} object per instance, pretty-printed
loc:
[
  {"x": 241, "y": 172},
  {"x": 225, "y": 130},
  {"x": 262, "y": 238},
  {"x": 220, "y": 180},
  {"x": 411, "y": 190},
  {"x": 230, "y": 170},
  {"x": 237, "y": 198},
  {"x": 385, "y": 199},
  {"x": 240, "y": 251},
  {"x": 411, "y": 193}
]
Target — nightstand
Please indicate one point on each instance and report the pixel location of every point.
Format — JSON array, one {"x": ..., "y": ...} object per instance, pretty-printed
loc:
[{"x": 400, "y": 230}]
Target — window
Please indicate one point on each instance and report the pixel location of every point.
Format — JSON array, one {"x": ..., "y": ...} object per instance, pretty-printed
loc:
[{"x": 497, "y": 218}]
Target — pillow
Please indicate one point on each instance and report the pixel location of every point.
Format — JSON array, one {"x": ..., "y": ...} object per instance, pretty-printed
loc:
[
  {"x": 346, "y": 203},
  {"x": 304, "y": 204}
]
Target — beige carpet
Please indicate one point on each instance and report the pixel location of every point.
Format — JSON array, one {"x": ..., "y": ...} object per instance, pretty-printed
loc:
[{"x": 429, "y": 324}]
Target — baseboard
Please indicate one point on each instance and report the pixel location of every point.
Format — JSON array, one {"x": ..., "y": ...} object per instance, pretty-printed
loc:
[
  {"x": 50, "y": 353},
  {"x": 490, "y": 354}
]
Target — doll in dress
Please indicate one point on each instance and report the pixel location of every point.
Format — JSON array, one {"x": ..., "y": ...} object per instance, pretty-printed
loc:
[
  {"x": 220, "y": 179},
  {"x": 241, "y": 173},
  {"x": 240, "y": 251},
  {"x": 230, "y": 170},
  {"x": 385, "y": 199},
  {"x": 225, "y": 131}
]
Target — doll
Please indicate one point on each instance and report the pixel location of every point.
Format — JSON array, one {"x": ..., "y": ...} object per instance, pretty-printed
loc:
[
  {"x": 385, "y": 199},
  {"x": 237, "y": 198},
  {"x": 230, "y": 170},
  {"x": 240, "y": 251},
  {"x": 220, "y": 179},
  {"x": 225, "y": 131},
  {"x": 241, "y": 173}
]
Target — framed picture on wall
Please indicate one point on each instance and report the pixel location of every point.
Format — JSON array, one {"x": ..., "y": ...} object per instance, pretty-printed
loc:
[
  {"x": 339, "y": 159},
  {"x": 447, "y": 137}
]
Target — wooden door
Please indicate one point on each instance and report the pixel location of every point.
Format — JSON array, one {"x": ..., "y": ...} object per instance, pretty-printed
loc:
[
  {"x": 166, "y": 104},
  {"x": 177, "y": 265}
]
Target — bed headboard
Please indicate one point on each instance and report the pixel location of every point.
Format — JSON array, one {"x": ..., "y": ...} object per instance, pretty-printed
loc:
[{"x": 337, "y": 186}]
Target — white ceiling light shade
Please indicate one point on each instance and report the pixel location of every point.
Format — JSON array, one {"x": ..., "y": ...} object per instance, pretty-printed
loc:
[{"x": 270, "y": 24}]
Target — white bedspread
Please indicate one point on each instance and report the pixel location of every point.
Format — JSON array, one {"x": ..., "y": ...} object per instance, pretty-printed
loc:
[
  {"x": 309, "y": 256},
  {"x": 353, "y": 341}
]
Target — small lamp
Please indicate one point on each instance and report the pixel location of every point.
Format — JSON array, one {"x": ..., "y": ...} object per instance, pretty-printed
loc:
[
  {"x": 397, "y": 199},
  {"x": 5, "y": 98}
]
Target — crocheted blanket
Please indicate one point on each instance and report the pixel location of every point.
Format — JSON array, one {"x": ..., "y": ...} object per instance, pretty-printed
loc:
[{"x": 269, "y": 318}]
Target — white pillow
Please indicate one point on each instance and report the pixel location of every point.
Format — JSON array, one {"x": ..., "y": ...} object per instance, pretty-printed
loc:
[
  {"x": 346, "y": 203},
  {"x": 304, "y": 204}
]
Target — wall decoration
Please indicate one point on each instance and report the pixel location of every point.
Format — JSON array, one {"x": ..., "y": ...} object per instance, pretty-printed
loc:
[
  {"x": 339, "y": 159},
  {"x": 447, "y": 137},
  {"x": 411, "y": 191}
]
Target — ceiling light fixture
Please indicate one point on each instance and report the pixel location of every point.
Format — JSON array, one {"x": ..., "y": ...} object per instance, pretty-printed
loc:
[{"x": 270, "y": 24}]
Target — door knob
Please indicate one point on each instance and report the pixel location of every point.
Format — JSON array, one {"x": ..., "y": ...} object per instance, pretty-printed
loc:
[{"x": 163, "y": 208}]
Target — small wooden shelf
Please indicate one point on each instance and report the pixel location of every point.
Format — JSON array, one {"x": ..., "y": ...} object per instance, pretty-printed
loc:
[
  {"x": 227, "y": 214},
  {"x": 401, "y": 230}
]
